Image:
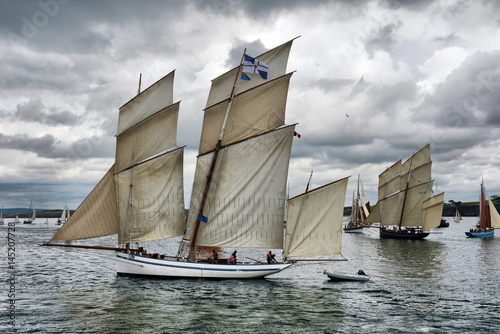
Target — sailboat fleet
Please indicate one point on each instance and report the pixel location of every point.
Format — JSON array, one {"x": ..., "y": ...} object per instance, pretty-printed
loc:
[{"x": 238, "y": 197}]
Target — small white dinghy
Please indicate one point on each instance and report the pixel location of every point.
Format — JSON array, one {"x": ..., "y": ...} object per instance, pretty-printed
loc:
[{"x": 344, "y": 277}]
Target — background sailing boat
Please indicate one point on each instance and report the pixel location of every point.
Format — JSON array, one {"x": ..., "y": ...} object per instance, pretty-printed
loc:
[
  {"x": 406, "y": 208},
  {"x": 31, "y": 214},
  {"x": 360, "y": 210},
  {"x": 489, "y": 219}
]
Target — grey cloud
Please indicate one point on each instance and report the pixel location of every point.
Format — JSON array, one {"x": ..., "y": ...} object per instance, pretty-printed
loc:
[
  {"x": 46, "y": 146},
  {"x": 469, "y": 97},
  {"x": 36, "y": 111}
]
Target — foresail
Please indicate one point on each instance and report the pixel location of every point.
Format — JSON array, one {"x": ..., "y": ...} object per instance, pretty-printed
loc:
[
  {"x": 96, "y": 216},
  {"x": 432, "y": 211},
  {"x": 252, "y": 112},
  {"x": 374, "y": 216},
  {"x": 390, "y": 210},
  {"x": 151, "y": 100},
  {"x": 276, "y": 59},
  {"x": 151, "y": 199},
  {"x": 495, "y": 217},
  {"x": 148, "y": 138},
  {"x": 314, "y": 221},
  {"x": 246, "y": 200}
]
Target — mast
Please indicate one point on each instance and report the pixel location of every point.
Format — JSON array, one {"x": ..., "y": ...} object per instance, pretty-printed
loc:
[
  {"x": 482, "y": 211},
  {"x": 212, "y": 166},
  {"x": 406, "y": 193}
]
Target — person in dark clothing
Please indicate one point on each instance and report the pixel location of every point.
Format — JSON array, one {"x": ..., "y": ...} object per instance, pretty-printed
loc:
[{"x": 270, "y": 258}]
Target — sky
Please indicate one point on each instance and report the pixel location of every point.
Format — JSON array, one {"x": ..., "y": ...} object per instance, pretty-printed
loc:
[{"x": 374, "y": 82}]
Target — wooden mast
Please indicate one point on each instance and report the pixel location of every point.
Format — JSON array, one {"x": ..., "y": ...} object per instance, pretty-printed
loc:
[
  {"x": 192, "y": 248},
  {"x": 406, "y": 193}
]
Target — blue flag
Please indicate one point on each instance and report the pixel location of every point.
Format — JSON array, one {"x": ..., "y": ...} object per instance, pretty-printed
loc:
[
  {"x": 202, "y": 218},
  {"x": 253, "y": 65}
]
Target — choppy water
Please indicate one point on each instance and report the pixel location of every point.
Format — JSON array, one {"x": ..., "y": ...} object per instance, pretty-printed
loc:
[{"x": 446, "y": 283}]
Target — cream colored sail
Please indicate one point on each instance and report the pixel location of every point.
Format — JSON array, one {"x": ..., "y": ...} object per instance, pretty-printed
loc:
[
  {"x": 252, "y": 112},
  {"x": 148, "y": 138},
  {"x": 151, "y": 100},
  {"x": 412, "y": 215},
  {"x": 246, "y": 201},
  {"x": 495, "y": 217},
  {"x": 390, "y": 210},
  {"x": 314, "y": 221},
  {"x": 151, "y": 200},
  {"x": 374, "y": 216},
  {"x": 389, "y": 181},
  {"x": 141, "y": 197},
  {"x": 432, "y": 211},
  {"x": 96, "y": 216},
  {"x": 276, "y": 59}
]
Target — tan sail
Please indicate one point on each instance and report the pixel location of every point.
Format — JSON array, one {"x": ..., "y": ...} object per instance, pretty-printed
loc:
[
  {"x": 389, "y": 180},
  {"x": 151, "y": 100},
  {"x": 422, "y": 157},
  {"x": 412, "y": 215},
  {"x": 246, "y": 202},
  {"x": 495, "y": 217},
  {"x": 276, "y": 59},
  {"x": 252, "y": 112},
  {"x": 314, "y": 221},
  {"x": 96, "y": 216},
  {"x": 374, "y": 216},
  {"x": 151, "y": 199},
  {"x": 148, "y": 138},
  {"x": 432, "y": 212}
]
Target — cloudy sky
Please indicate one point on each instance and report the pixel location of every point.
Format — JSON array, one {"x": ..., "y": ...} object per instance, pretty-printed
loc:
[{"x": 407, "y": 73}]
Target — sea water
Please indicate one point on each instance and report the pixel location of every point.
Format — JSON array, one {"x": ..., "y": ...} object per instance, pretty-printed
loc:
[{"x": 446, "y": 283}]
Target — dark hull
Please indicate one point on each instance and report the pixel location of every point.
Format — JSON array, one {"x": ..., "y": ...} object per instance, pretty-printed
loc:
[{"x": 397, "y": 235}]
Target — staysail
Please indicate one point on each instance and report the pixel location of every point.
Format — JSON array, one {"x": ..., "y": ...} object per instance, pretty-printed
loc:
[{"x": 314, "y": 221}]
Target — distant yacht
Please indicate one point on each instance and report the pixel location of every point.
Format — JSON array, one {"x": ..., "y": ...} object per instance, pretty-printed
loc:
[{"x": 31, "y": 214}]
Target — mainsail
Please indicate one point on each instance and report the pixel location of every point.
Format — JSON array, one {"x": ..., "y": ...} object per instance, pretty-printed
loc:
[{"x": 244, "y": 205}]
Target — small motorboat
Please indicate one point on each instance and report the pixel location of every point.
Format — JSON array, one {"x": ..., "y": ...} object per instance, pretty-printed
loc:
[{"x": 344, "y": 277}]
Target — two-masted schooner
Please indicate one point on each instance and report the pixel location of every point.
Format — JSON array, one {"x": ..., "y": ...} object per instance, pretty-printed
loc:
[
  {"x": 239, "y": 189},
  {"x": 406, "y": 207}
]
